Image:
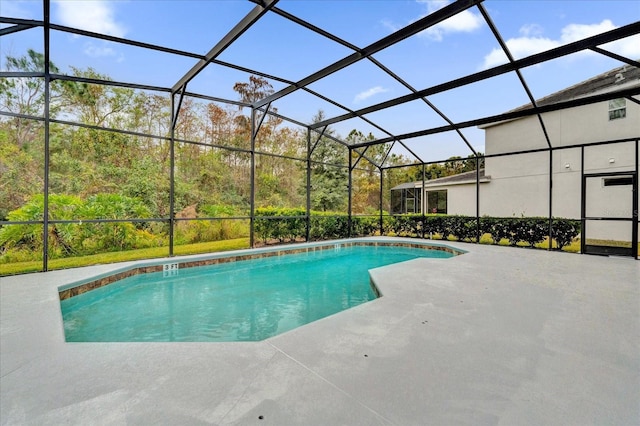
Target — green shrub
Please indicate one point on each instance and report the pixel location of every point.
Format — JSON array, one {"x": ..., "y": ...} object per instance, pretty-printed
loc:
[
  {"x": 216, "y": 210},
  {"x": 533, "y": 230},
  {"x": 363, "y": 226},
  {"x": 328, "y": 226},
  {"x": 464, "y": 228},
  {"x": 290, "y": 224},
  {"x": 199, "y": 231},
  {"x": 388, "y": 225},
  {"x": 281, "y": 224},
  {"x": 29, "y": 236},
  {"x": 497, "y": 228},
  {"x": 565, "y": 231},
  {"x": 435, "y": 224},
  {"x": 76, "y": 239}
]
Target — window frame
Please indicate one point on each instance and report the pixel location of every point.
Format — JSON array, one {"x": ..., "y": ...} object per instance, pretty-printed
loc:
[
  {"x": 617, "y": 109},
  {"x": 441, "y": 197}
]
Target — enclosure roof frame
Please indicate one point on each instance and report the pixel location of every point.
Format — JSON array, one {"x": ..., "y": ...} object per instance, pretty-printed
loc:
[{"x": 263, "y": 8}]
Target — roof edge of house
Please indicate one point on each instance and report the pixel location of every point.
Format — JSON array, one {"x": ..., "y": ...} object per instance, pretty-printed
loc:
[
  {"x": 582, "y": 89},
  {"x": 485, "y": 179}
]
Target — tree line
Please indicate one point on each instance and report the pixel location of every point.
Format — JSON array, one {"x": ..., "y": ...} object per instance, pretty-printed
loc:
[{"x": 93, "y": 168}]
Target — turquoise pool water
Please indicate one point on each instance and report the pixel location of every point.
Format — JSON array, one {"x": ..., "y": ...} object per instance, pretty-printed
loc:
[{"x": 246, "y": 300}]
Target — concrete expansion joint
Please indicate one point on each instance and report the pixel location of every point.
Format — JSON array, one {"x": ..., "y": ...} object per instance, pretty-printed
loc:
[
  {"x": 249, "y": 385},
  {"x": 330, "y": 383}
]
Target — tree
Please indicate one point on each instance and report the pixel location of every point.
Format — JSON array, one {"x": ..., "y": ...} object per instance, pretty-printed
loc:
[
  {"x": 329, "y": 172},
  {"x": 98, "y": 104},
  {"x": 451, "y": 166},
  {"x": 257, "y": 88},
  {"x": 150, "y": 114},
  {"x": 277, "y": 179},
  {"x": 469, "y": 164},
  {"x": 22, "y": 138},
  {"x": 219, "y": 125},
  {"x": 21, "y": 173},
  {"x": 365, "y": 178},
  {"x": 25, "y": 96}
]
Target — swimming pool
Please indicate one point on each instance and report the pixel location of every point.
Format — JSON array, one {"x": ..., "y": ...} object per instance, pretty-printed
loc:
[{"x": 245, "y": 299}]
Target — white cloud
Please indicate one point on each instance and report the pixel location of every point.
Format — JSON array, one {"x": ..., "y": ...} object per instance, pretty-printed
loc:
[
  {"x": 532, "y": 42},
  {"x": 17, "y": 9},
  {"x": 95, "y": 15},
  {"x": 629, "y": 47},
  {"x": 575, "y": 32},
  {"x": 369, "y": 93},
  {"x": 519, "y": 47},
  {"x": 465, "y": 21},
  {"x": 531, "y": 30},
  {"x": 390, "y": 25},
  {"x": 97, "y": 51}
]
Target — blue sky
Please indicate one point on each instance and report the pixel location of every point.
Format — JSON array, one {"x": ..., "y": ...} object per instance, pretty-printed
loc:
[{"x": 459, "y": 46}]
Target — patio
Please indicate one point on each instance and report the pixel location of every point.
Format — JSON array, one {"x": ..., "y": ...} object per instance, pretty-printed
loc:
[{"x": 495, "y": 336}]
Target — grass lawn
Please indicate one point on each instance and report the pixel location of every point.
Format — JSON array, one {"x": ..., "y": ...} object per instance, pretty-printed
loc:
[{"x": 123, "y": 256}]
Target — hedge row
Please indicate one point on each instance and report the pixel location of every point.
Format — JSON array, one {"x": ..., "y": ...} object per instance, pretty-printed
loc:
[
  {"x": 273, "y": 224},
  {"x": 282, "y": 225},
  {"x": 529, "y": 230}
]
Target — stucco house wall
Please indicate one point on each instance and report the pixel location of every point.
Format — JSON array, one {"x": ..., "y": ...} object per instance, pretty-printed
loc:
[
  {"x": 585, "y": 124},
  {"x": 590, "y": 123},
  {"x": 461, "y": 198},
  {"x": 519, "y": 184}
]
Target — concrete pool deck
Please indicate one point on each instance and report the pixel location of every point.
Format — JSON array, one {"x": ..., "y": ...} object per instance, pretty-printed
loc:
[{"x": 496, "y": 336}]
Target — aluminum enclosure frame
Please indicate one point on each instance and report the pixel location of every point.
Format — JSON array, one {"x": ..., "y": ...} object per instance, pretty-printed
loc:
[{"x": 261, "y": 107}]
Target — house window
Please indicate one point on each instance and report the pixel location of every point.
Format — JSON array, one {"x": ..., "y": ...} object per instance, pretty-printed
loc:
[
  {"x": 412, "y": 200},
  {"x": 437, "y": 201},
  {"x": 411, "y": 205},
  {"x": 617, "y": 108},
  {"x": 405, "y": 200},
  {"x": 396, "y": 201},
  {"x": 618, "y": 181}
]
